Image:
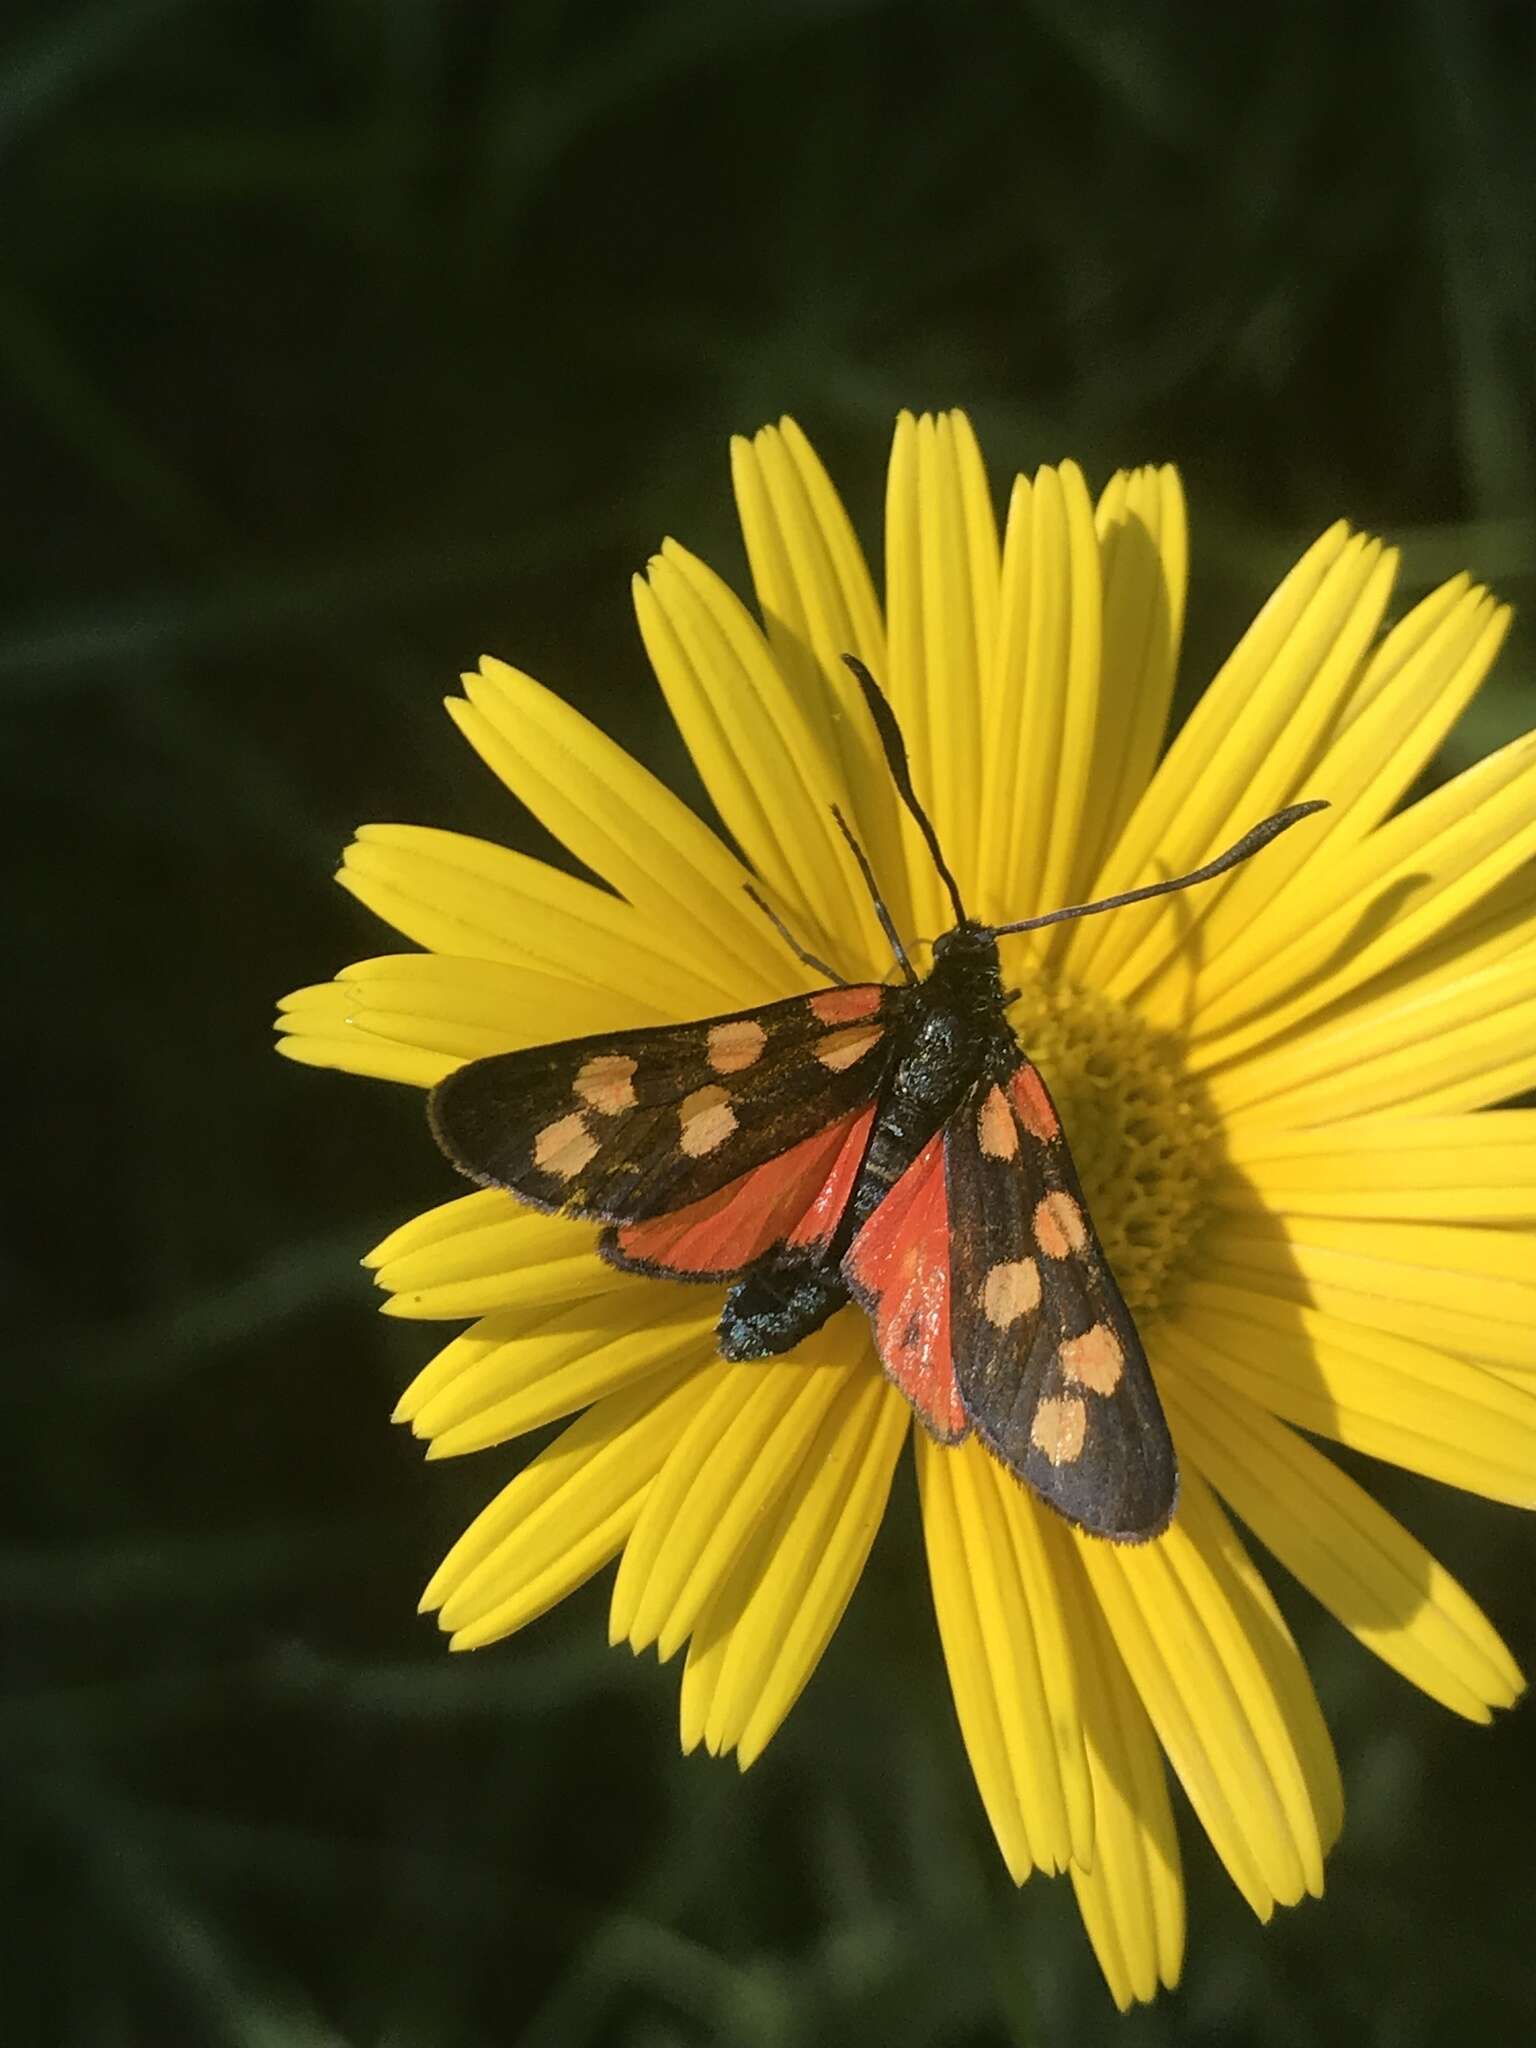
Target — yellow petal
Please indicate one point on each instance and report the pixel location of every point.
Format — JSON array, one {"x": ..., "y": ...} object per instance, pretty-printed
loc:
[
  {"x": 564, "y": 1515},
  {"x": 809, "y": 572},
  {"x": 1503, "y": 1081},
  {"x": 1238, "y": 753},
  {"x": 555, "y": 1362},
  {"x": 374, "y": 1058},
  {"x": 1407, "y": 1052},
  {"x": 1415, "y": 686},
  {"x": 1227, "y": 1695},
  {"x": 625, "y": 825},
  {"x": 760, "y": 757},
  {"x": 1044, "y": 697},
  {"x": 941, "y": 568},
  {"x": 1185, "y": 934},
  {"x": 472, "y": 1235},
  {"x": 1346, "y": 1550},
  {"x": 480, "y": 1007},
  {"x": 1431, "y": 665},
  {"x": 1185, "y": 1691},
  {"x": 1132, "y": 1899},
  {"x": 1317, "y": 1798},
  {"x": 456, "y": 1009},
  {"x": 521, "y": 1260},
  {"x": 468, "y": 1348},
  {"x": 1478, "y": 1169},
  {"x": 449, "y": 1220},
  {"x": 1419, "y": 679},
  {"x": 1468, "y": 1290},
  {"x": 463, "y": 896},
  {"x": 1371, "y": 1389},
  {"x": 818, "y": 604},
  {"x": 710, "y": 1643},
  {"x": 1144, "y": 554},
  {"x": 1453, "y": 1010},
  {"x": 726, "y": 1474},
  {"x": 760, "y": 1638},
  {"x": 1373, "y": 907},
  {"x": 1007, "y": 1646}
]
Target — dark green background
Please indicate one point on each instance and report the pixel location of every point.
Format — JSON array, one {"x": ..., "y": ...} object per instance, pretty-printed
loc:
[{"x": 341, "y": 342}]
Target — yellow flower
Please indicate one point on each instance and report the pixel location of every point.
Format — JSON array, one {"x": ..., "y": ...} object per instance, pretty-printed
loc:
[{"x": 1276, "y": 1088}]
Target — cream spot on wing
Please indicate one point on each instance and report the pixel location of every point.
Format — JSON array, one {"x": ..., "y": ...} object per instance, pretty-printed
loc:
[
  {"x": 1009, "y": 1291},
  {"x": 846, "y": 1005},
  {"x": 1094, "y": 1360},
  {"x": 565, "y": 1147},
  {"x": 995, "y": 1127},
  {"x": 1058, "y": 1429},
  {"x": 734, "y": 1047},
  {"x": 707, "y": 1119},
  {"x": 845, "y": 1048},
  {"x": 1059, "y": 1226},
  {"x": 607, "y": 1083}
]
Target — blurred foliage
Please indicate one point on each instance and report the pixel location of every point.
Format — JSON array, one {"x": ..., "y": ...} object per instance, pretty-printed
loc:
[{"x": 341, "y": 340}]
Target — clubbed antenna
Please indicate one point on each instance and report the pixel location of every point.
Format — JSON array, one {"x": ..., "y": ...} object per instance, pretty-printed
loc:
[
  {"x": 1246, "y": 847},
  {"x": 896, "y": 759}
]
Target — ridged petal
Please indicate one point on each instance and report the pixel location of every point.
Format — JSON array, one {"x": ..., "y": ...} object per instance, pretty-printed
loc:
[
  {"x": 1238, "y": 755},
  {"x": 1132, "y": 1899},
  {"x": 518, "y": 1260},
  {"x": 460, "y": 1217},
  {"x": 1371, "y": 1389},
  {"x": 565, "y": 1515},
  {"x": 1143, "y": 540},
  {"x": 1226, "y": 1692},
  {"x": 1318, "y": 1800},
  {"x": 1468, "y": 1289},
  {"x": 625, "y": 825},
  {"x": 941, "y": 570},
  {"x": 1479, "y": 1169},
  {"x": 355, "y": 1052},
  {"x": 766, "y": 766},
  {"x": 468, "y": 1348},
  {"x": 462, "y": 896},
  {"x": 1445, "y": 1024},
  {"x": 484, "y": 1236},
  {"x": 545, "y": 1364},
  {"x": 1422, "y": 677},
  {"x": 760, "y": 1638},
  {"x": 1043, "y": 703},
  {"x": 473, "y": 1008},
  {"x": 1346, "y": 1550},
  {"x": 1380, "y": 901},
  {"x": 1007, "y": 1644},
  {"x": 727, "y": 1473},
  {"x": 818, "y": 604}
]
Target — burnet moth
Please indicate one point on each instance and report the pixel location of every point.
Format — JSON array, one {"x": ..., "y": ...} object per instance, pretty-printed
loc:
[{"x": 892, "y": 1145}]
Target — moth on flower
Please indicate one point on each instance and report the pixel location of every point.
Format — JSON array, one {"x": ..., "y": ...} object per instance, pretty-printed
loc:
[
  {"x": 893, "y": 1145},
  {"x": 1311, "y": 1221}
]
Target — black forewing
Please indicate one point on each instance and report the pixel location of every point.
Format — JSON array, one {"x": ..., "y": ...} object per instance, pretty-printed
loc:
[
  {"x": 628, "y": 1125},
  {"x": 1048, "y": 1362}
]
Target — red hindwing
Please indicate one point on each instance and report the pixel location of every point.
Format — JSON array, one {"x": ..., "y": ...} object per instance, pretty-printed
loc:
[
  {"x": 795, "y": 1199},
  {"x": 898, "y": 1269}
]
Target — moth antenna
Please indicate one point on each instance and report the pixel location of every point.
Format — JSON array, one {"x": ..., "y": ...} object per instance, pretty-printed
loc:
[
  {"x": 887, "y": 924},
  {"x": 1250, "y": 844},
  {"x": 895, "y": 749},
  {"x": 794, "y": 945}
]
